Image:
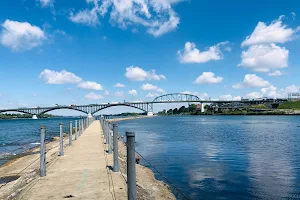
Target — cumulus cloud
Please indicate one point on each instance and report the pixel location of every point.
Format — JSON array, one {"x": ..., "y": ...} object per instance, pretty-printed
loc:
[
  {"x": 20, "y": 36},
  {"x": 252, "y": 81},
  {"x": 229, "y": 97},
  {"x": 157, "y": 16},
  {"x": 190, "y": 54},
  {"x": 265, "y": 58},
  {"x": 93, "y": 96},
  {"x": 273, "y": 92},
  {"x": 276, "y": 32},
  {"x": 208, "y": 78},
  {"x": 132, "y": 92},
  {"x": 90, "y": 85},
  {"x": 119, "y": 85},
  {"x": 275, "y": 73},
  {"x": 138, "y": 74},
  {"x": 200, "y": 95},
  {"x": 150, "y": 87},
  {"x": 62, "y": 77}
]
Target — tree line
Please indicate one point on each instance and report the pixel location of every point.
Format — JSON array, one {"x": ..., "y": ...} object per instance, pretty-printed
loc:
[{"x": 22, "y": 116}]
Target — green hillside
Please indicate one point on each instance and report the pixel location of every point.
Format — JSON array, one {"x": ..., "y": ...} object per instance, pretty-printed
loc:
[
  {"x": 258, "y": 106},
  {"x": 290, "y": 105}
]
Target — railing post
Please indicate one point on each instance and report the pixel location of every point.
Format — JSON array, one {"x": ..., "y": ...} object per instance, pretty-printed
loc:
[
  {"x": 61, "y": 140},
  {"x": 71, "y": 132},
  {"x": 42, "y": 151},
  {"x": 76, "y": 133},
  {"x": 131, "y": 171},
  {"x": 116, "y": 149},
  {"x": 109, "y": 141}
]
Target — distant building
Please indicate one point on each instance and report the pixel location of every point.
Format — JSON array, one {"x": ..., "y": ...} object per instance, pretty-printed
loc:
[{"x": 199, "y": 107}]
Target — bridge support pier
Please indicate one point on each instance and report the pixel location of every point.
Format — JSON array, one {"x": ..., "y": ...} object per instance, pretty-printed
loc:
[
  {"x": 34, "y": 117},
  {"x": 89, "y": 115}
]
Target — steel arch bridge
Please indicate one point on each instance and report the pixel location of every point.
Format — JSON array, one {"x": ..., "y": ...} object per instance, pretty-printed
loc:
[
  {"x": 176, "y": 97},
  {"x": 144, "y": 106}
]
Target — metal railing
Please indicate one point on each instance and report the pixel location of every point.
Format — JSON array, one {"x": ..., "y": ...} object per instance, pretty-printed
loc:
[{"x": 80, "y": 126}]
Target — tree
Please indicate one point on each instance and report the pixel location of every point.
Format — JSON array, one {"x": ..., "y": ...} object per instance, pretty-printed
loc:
[
  {"x": 170, "y": 112},
  {"x": 181, "y": 109},
  {"x": 192, "y": 108},
  {"x": 175, "y": 111}
]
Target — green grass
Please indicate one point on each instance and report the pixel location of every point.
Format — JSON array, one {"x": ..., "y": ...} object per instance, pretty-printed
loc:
[
  {"x": 258, "y": 106},
  {"x": 290, "y": 105}
]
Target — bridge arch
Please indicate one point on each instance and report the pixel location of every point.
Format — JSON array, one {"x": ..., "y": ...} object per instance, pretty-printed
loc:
[
  {"x": 114, "y": 105},
  {"x": 19, "y": 111},
  {"x": 59, "y": 108},
  {"x": 176, "y": 97}
]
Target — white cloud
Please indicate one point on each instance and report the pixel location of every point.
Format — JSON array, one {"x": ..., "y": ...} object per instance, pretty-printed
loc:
[
  {"x": 229, "y": 97},
  {"x": 208, "y": 78},
  {"x": 93, "y": 96},
  {"x": 252, "y": 81},
  {"x": 86, "y": 17},
  {"x": 21, "y": 35},
  {"x": 133, "y": 92},
  {"x": 200, "y": 95},
  {"x": 157, "y": 16},
  {"x": 138, "y": 74},
  {"x": 275, "y": 73},
  {"x": 293, "y": 15},
  {"x": 152, "y": 95},
  {"x": 265, "y": 58},
  {"x": 276, "y": 32},
  {"x": 190, "y": 54},
  {"x": 46, "y": 3},
  {"x": 272, "y": 92},
  {"x": 150, "y": 87},
  {"x": 119, "y": 93},
  {"x": 119, "y": 85},
  {"x": 53, "y": 77},
  {"x": 253, "y": 95},
  {"x": 90, "y": 85}
]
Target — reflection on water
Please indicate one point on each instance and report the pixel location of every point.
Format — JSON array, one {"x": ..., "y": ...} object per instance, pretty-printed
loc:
[{"x": 224, "y": 157}]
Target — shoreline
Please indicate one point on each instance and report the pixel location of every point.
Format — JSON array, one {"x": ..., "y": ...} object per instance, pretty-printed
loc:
[{"x": 25, "y": 169}]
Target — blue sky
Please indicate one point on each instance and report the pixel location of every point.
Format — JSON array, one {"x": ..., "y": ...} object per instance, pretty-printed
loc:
[{"x": 75, "y": 52}]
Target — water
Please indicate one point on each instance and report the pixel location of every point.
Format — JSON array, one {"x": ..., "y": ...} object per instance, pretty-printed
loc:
[
  {"x": 223, "y": 157},
  {"x": 206, "y": 157},
  {"x": 20, "y": 135}
]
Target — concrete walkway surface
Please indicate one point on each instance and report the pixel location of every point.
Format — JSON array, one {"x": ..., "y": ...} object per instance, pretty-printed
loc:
[{"x": 82, "y": 173}]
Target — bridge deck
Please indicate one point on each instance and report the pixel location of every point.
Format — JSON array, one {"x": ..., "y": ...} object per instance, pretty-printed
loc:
[{"x": 82, "y": 172}]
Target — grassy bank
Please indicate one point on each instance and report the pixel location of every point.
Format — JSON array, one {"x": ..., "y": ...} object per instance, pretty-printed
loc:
[{"x": 290, "y": 105}]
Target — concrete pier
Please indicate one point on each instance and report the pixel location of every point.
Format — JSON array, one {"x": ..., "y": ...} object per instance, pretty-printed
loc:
[{"x": 84, "y": 172}]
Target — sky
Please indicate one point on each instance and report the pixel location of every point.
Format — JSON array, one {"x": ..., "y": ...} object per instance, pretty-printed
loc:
[{"x": 102, "y": 51}]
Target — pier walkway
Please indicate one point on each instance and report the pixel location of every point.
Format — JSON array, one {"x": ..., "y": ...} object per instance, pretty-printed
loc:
[{"x": 82, "y": 172}]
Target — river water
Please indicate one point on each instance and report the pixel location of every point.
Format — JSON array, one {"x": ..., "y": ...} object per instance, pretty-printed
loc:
[
  {"x": 206, "y": 157},
  {"x": 19, "y": 135},
  {"x": 223, "y": 157}
]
